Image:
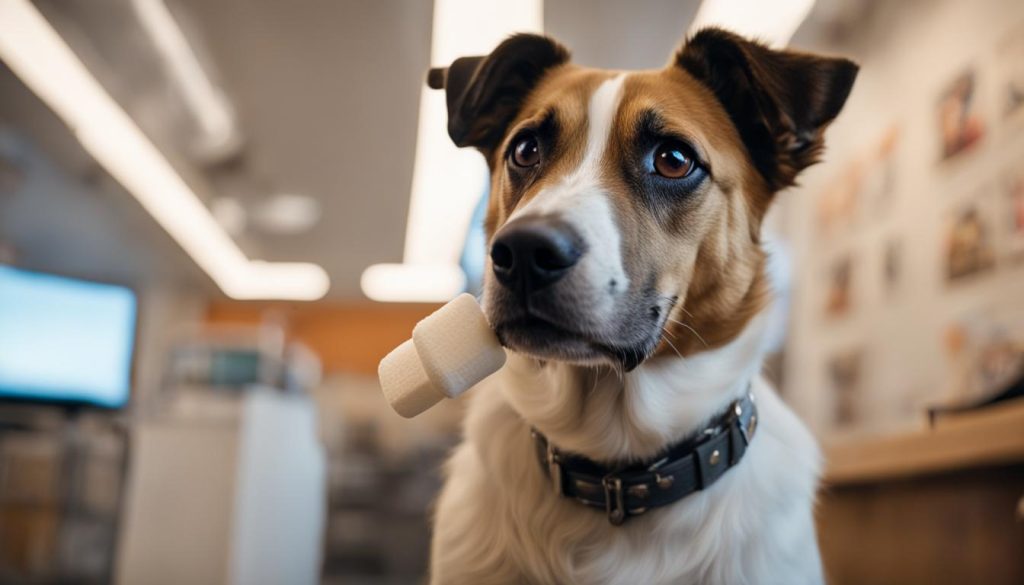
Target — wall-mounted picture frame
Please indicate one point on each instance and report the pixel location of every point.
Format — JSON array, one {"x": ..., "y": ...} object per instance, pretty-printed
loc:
[
  {"x": 969, "y": 239},
  {"x": 892, "y": 264},
  {"x": 838, "y": 205},
  {"x": 866, "y": 186},
  {"x": 839, "y": 297},
  {"x": 878, "y": 187},
  {"x": 960, "y": 124},
  {"x": 845, "y": 374},
  {"x": 986, "y": 353}
]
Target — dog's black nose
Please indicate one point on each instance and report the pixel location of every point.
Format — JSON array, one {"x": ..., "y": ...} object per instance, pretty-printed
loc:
[{"x": 529, "y": 254}]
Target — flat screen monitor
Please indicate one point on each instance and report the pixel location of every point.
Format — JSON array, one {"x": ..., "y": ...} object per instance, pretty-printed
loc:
[{"x": 64, "y": 340}]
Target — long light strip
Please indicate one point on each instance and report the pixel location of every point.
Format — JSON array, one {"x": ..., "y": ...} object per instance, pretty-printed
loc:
[
  {"x": 773, "y": 22},
  {"x": 447, "y": 181},
  {"x": 412, "y": 283},
  {"x": 209, "y": 106},
  {"x": 38, "y": 55}
]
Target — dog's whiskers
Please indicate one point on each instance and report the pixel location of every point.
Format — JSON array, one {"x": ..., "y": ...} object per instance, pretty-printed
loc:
[
  {"x": 670, "y": 344},
  {"x": 692, "y": 330}
]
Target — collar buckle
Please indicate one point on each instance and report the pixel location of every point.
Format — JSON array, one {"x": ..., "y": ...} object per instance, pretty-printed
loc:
[{"x": 614, "y": 505}]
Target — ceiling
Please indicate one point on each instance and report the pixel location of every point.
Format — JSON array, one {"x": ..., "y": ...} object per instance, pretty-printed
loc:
[{"x": 327, "y": 94}]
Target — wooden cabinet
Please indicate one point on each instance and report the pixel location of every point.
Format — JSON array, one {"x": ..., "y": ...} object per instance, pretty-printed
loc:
[{"x": 931, "y": 507}]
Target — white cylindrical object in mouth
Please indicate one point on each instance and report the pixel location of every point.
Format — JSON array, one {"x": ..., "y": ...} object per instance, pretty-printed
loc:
[{"x": 451, "y": 351}]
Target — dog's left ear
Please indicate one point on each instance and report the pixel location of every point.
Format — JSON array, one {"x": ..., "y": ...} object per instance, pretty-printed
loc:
[
  {"x": 484, "y": 93},
  {"x": 780, "y": 101}
]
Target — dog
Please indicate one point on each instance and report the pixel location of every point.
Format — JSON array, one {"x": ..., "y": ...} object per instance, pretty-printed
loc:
[{"x": 630, "y": 439}]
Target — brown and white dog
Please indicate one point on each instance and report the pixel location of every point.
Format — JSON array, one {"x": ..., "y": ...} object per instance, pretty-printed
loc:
[{"x": 627, "y": 278}]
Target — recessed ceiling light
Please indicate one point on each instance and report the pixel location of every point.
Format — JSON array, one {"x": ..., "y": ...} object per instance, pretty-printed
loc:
[
  {"x": 286, "y": 214},
  {"x": 230, "y": 214}
]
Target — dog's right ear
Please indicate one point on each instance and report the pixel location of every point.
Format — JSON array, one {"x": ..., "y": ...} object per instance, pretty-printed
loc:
[{"x": 484, "y": 94}]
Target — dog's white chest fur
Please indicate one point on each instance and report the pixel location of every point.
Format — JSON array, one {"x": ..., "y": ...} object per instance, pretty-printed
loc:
[{"x": 499, "y": 522}]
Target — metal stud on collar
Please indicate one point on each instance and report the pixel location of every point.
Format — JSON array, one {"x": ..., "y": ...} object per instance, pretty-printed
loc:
[
  {"x": 639, "y": 491},
  {"x": 664, "y": 481}
]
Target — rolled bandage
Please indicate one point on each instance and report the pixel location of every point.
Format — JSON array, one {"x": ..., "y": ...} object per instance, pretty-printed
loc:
[{"x": 450, "y": 351}]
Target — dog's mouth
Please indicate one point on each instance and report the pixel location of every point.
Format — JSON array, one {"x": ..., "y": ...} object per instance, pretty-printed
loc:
[{"x": 543, "y": 339}]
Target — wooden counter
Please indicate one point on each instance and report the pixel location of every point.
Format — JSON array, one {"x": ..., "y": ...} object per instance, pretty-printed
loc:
[
  {"x": 936, "y": 506},
  {"x": 990, "y": 437}
]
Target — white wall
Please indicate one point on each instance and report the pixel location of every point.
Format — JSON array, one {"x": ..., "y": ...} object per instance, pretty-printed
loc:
[{"x": 909, "y": 52}]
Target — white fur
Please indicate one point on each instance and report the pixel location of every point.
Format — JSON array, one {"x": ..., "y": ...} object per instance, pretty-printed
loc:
[
  {"x": 580, "y": 200},
  {"x": 499, "y": 522}
]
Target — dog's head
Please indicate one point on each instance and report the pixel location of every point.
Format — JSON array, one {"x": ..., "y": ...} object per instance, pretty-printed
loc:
[{"x": 626, "y": 206}]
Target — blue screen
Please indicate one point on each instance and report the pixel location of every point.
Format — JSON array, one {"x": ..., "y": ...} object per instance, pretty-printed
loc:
[{"x": 65, "y": 340}]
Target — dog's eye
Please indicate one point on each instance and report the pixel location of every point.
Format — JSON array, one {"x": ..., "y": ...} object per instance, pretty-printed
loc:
[
  {"x": 526, "y": 152},
  {"x": 673, "y": 160}
]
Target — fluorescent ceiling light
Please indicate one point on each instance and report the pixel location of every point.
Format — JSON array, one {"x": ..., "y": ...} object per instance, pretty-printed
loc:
[
  {"x": 410, "y": 283},
  {"x": 772, "y": 22},
  {"x": 211, "y": 109},
  {"x": 37, "y": 54},
  {"x": 448, "y": 181},
  {"x": 286, "y": 213}
]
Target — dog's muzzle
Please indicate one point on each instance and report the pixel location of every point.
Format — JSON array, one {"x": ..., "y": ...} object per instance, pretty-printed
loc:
[{"x": 531, "y": 254}]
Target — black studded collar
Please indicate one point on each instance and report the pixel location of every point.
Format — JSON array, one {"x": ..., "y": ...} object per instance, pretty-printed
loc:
[{"x": 681, "y": 469}]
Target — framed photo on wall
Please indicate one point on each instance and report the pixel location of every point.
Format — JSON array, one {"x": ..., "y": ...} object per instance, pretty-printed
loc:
[
  {"x": 839, "y": 203},
  {"x": 959, "y": 123},
  {"x": 892, "y": 264},
  {"x": 839, "y": 286},
  {"x": 969, "y": 239},
  {"x": 878, "y": 187},
  {"x": 845, "y": 377}
]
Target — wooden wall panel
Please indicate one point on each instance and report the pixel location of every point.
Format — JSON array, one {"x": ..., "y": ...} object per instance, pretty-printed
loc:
[{"x": 348, "y": 337}]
